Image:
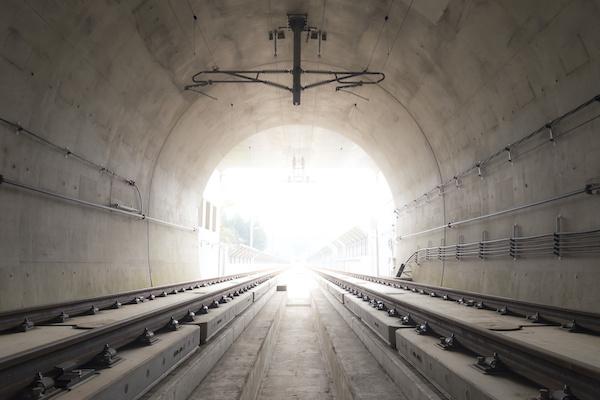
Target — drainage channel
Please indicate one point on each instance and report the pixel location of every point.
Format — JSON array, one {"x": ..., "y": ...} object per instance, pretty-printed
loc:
[
  {"x": 298, "y": 369},
  {"x": 297, "y": 347}
]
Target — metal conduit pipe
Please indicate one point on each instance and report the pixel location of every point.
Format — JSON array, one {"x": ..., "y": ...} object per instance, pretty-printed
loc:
[
  {"x": 589, "y": 189},
  {"x": 68, "y": 153},
  {"x": 556, "y": 244},
  {"x": 477, "y": 167},
  {"x": 140, "y": 216}
]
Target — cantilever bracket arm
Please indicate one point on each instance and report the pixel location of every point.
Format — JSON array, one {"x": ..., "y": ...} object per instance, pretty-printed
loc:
[
  {"x": 235, "y": 76},
  {"x": 343, "y": 79}
]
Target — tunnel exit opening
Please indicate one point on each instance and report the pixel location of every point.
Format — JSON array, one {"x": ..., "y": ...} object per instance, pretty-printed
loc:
[{"x": 296, "y": 194}]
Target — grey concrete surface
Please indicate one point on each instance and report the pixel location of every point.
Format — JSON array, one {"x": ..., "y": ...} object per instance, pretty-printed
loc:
[
  {"x": 298, "y": 369},
  {"x": 140, "y": 367},
  {"x": 239, "y": 372},
  {"x": 412, "y": 384},
  {"x": 464, "y": 78},
  {"x": 453, "y": 371},
  {"x": 361, "y": 375},
  {"x": 181, "y": 382},
  {"x": 297, "y": 347}
]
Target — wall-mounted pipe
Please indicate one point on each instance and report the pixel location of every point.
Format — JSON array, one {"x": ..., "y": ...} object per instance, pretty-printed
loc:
[
  {"x": 140, "y": 216},
  {"x": 557, "y": 244},
  {"x": 477, "y": 167},
  {"x": 589, "y": 189},
  {"x": 73, "y": 155}
]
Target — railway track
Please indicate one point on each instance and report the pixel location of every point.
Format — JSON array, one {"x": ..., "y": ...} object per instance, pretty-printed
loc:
[
  {"x": 573, "y": 320},
  {"x": 24, "y": 319},
  {"x": 553, "y": 357},
  {"x": 27, "y": 368}
]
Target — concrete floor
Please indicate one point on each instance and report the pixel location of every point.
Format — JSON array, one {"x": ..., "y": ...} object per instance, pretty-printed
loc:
[
  {"x": 298, "y": 369},
  {"x": 230, "y": 376},
  {"x": 297, "y": 347},
  {"x": 363, "y": 376}
]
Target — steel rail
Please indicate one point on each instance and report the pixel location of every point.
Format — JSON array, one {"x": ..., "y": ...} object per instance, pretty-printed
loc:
[
  {"x": 586, "y": 321},
  {"x": 534, "y": 363},
  {"x": 11, "y": 320},
  {"x": 18, "y": 371}
]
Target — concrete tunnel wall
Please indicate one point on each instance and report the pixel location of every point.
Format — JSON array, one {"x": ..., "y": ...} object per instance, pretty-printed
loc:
[{"x": 463, "y": 79}]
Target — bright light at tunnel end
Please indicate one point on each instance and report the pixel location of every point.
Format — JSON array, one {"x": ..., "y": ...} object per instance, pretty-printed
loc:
[{"x": 304, "y": 186}]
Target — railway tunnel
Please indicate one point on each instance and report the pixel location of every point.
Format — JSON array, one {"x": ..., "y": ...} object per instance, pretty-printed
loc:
[{"x": 479, "y": 120}]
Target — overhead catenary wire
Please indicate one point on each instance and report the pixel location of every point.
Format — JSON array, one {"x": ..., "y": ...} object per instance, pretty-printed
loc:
[
  {"x": 195, "y": 19},
  {"x": 323, "y": 14},
  {"x": 397, "y": 35},
  {"x": 354, "y": 94},
  {"x": 192, "y": 40},
  {"x": 386, "y": 18}
]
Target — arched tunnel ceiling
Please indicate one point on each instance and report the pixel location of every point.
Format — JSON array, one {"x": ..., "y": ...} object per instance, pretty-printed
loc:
[
  {"x": 320, "y": 148},
  {"x": 459, "y": 74}
]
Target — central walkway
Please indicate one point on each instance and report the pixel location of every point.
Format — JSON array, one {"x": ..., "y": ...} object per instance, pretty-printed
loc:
[{"x": 298, "y": 369}]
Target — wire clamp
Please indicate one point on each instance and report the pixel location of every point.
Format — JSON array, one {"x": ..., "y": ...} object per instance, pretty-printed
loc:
[
  {"x": 43, "y": 387},
  {"x": 423, "y": 329},
  {"x": 590, "y": 188},
  {"x": 563, "y": 394},
  {"x": 26, "y": 325},
  {"x": 448, "y": 342},
  {"x": 574, "y": 327},
  {"x": 489, "y": 365},
  {"x": 407, "y": 320},
  {"x": 106, "y": 358},
  {"x": 147, "y": 338}
]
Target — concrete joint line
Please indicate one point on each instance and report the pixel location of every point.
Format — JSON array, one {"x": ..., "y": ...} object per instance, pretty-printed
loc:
[
  {"x": 337, "y": 373},
  {"x": 258, "y": 371}
]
